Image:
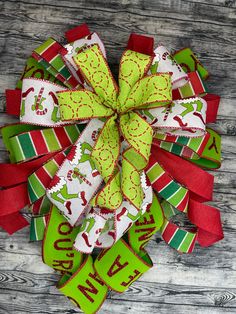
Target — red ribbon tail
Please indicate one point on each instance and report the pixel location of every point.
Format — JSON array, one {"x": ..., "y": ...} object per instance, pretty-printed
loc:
[
  {"x": 13, "y": 174},
  {"x": 13, "y": 101},
  {"x": 207, "y": 219},
  {"x": 141, "y": 44},
  {"x": 213, "y": 102},
  {"x": 12, "y": 200},
  {"x": 13, "y": 222},
  {"x": 77, "y": 32},
  {"x": 200, "y": 183}
]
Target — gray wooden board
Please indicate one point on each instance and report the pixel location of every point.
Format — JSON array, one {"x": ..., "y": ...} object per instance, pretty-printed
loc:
[{"x": 203, "y": 282}]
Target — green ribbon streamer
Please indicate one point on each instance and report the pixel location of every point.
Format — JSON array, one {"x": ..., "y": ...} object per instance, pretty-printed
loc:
[
  {"x": 86, "y": 280},
  {"x": 211, "y": 155}
]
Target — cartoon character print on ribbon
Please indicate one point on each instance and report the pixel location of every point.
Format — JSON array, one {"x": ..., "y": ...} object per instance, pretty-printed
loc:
[
  {"x": 39, "y": 102},
  {"x": 103, "y": 151},
  {"x": 78, "y": 179},
  {"x": 102, "y": 228},
  {"x": 181, "y": 117},
  {"x": 113, "y": 183},
  {"x": 164, "y": 62}
]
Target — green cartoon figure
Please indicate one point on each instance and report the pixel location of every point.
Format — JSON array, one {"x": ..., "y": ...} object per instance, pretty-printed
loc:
[
  {"x": 89, "y": 223},
  {"x": 80, "y": 153},
  {"x": 147, "y": 114},
  {"x": 189, "y": 108},
  {"x": 59, "y": 192}
]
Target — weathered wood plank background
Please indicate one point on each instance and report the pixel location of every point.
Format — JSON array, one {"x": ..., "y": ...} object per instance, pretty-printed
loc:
[{"x": 203, "y": 282}]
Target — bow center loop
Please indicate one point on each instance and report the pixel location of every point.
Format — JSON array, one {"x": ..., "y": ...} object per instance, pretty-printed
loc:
[
  {"x": 114, "y": 106},
  {"x": 111, "y": 104},
  {"x": 117, "y": 110},
  {"x": 117, "y": 115}
]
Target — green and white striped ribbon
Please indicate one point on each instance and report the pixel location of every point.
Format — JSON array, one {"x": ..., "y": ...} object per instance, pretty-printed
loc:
[
  {"x": 41, "y": 178},
  {"x": 176, "y": 237},
  {"x": 37, "y": 227},
  {"x": 29, "y": 145},
  {"x": 188, "y": 147},
  {"x": 167, "y": 188}
]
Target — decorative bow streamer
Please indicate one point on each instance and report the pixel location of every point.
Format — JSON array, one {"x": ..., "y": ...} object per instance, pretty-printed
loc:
[{"x": 96, "y": 175}]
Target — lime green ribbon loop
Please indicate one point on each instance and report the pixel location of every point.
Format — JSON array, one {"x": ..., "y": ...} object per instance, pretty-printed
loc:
[{"x": 119, "y": 106}]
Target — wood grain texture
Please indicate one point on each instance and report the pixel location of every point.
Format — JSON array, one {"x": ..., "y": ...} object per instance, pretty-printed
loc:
[{"x": 203, "y": 282}]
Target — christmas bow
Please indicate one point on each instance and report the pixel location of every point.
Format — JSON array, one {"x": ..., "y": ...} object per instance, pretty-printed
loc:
[
  {"x": 101, "y": 177},
  {"x": 119, "y": 108}
]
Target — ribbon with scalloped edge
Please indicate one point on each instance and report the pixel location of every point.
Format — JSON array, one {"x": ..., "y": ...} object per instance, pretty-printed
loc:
[{"x": 114, "y": 182}]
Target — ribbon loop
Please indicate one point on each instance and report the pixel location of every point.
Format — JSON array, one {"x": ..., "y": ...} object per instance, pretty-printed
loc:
[
  {"x": 85, "y": 289},
  {"x": 82, "y": 105},
  {"x": 48, "y": 55},
  {"x": 151, "y": 91},
  {"x": 137, "y": 132},
  {"x": 58, "y": 251},
  {"x": 39, "y": 103},
  {"x": 185, "y": 117},
  {"x": 120, "y": 266},
  {"x": 96, "y": 72},
  {"x": 133, "y": 66},
  {"x": 110, "y": 196},
  {"x": 107, "y": 148},
  {"x": 189, "y": 62},
  {"x": 77, "y": 180},
  {"x": 146, "y": 226}
]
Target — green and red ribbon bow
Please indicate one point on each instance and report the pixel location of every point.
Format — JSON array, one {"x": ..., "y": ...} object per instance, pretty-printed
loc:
[
  {"x": 106, "y": 165},
  {"x": 118, "y": 107}
]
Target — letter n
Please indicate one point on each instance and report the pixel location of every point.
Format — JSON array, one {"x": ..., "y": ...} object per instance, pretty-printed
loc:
[{"x": 87, "y": 290}]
